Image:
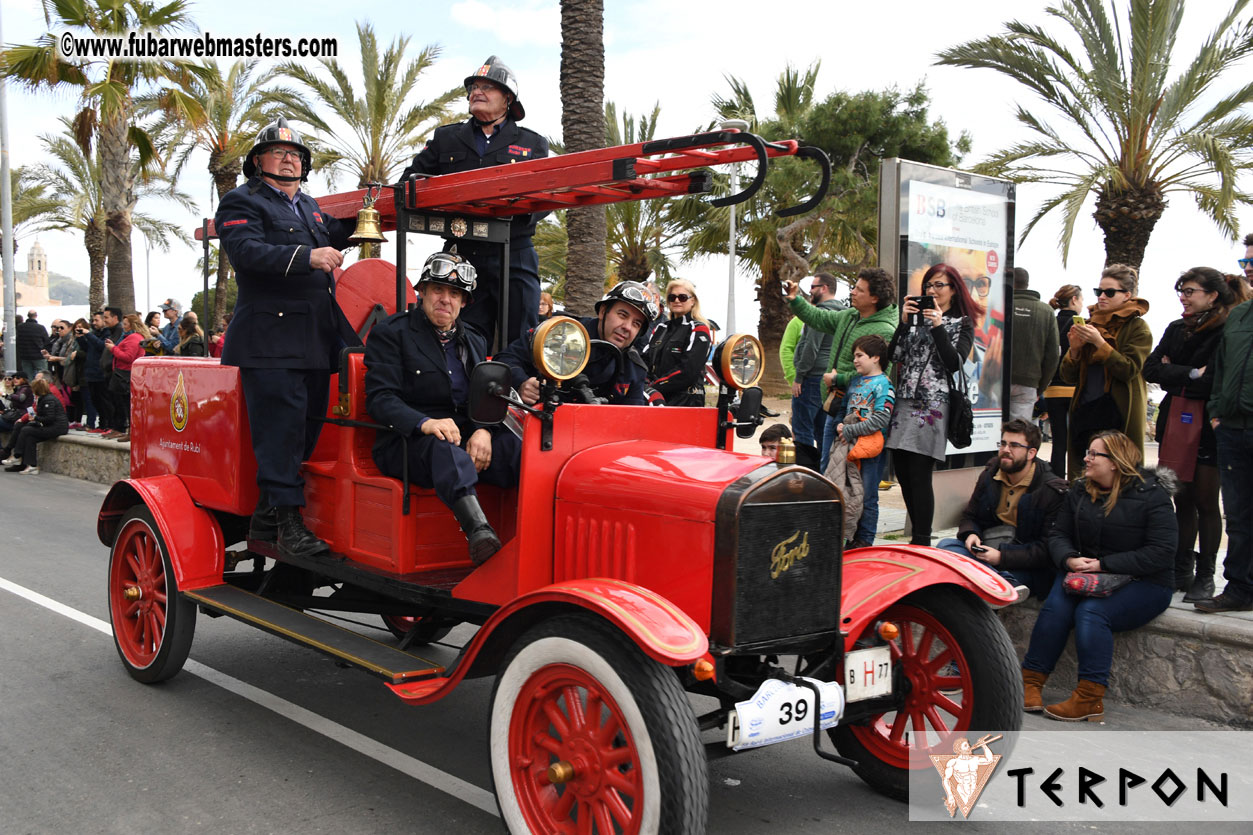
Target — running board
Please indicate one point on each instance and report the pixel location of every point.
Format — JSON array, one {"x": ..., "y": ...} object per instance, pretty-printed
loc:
[{"x": 389, "y": 663}]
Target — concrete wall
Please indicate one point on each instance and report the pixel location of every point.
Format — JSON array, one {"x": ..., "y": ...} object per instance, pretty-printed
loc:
[{"x": 86, "y": 457}]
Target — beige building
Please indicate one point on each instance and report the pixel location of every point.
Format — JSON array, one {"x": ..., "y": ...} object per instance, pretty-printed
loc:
[{"x": 33, "y": 291}]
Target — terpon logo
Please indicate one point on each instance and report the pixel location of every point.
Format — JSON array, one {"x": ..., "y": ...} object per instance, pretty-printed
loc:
[
  {"x": 178, "y": 405},
  {"x": 964, "y": 773}
]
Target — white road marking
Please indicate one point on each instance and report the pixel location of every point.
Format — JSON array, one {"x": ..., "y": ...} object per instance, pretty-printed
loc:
[{"x": 362, "y": 744}]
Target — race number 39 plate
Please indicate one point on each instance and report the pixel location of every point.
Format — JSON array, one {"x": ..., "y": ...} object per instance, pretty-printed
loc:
[
  {"x": 779, "y": 711},
  {"x": 867, "y": 673}
]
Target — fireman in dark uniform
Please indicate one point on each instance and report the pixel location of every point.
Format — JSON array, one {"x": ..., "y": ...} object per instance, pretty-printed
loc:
[
  {"x": 621, "y": 315},
  {"x": 417, "y": 381},
  {"x": 287, "y": 330},
  {"x": 491, "y": 136}
]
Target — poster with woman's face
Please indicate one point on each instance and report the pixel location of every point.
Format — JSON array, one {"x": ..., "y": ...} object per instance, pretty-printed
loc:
[{"x": 966, "y": 230}]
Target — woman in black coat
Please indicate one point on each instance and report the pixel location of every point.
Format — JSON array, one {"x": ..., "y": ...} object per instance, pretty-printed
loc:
[
  {"x": 49, "y": 422},
  {"x": 679, "y": 348},
  {"x": 1068, "y": 302},
  {"x": 1118, "y": 519},
  {"x": 1180, "y": 365}
]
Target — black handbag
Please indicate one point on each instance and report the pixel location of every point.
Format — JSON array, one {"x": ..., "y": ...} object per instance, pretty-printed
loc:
[{"x": 961, "y": 417}]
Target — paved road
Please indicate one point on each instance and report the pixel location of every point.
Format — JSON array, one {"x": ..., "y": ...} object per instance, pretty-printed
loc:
[{"x": 260, "y": 736}]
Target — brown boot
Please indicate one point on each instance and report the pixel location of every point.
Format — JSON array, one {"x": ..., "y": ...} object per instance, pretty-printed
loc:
[
  {"x": 1032, "y": 684},
  {"x": 1085, "y": 703}
]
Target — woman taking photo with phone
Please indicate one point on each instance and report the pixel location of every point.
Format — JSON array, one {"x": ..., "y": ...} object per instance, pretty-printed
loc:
[
  {"x": 1104, "y": 362},
  {"x": 936, "y": 334}
]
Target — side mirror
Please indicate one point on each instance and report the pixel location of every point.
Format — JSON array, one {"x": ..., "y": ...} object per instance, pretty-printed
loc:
[
  {"x": 489, "y": 390},
  {"x": 748, "y": 417}
]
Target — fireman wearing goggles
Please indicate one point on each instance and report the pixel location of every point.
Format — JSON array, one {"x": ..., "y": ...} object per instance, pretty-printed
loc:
[
  {"x": 491, "y": 136},
  {"x": 621, "y": 315},
  {"x": 417, "y": 381},
  {"x": 287, "y": 330}
]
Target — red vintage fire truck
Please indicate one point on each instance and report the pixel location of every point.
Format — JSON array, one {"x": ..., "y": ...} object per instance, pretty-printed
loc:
[{"x": 643, "y": 560}]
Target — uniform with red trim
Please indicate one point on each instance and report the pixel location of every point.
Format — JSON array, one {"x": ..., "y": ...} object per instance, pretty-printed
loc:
[{"x": 676, "y": 358}]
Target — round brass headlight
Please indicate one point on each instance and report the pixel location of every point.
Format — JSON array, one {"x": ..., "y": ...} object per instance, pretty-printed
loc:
[
  {"x": 560, "y": 348},
  {"x": 740, "y": 360}
]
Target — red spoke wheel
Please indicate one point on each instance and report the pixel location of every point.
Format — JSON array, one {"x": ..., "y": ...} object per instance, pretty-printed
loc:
[
  {"x": 153, "y": 624},
  {"x": 589, "y": 735},
  {"x": 428, "y": 631},
  {"x": 958, "y": 672}
]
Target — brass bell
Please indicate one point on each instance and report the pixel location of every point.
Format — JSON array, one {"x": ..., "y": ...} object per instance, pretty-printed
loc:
[
  {"x": 368, "y": 222},
  {"x": 787, "y": 452}
]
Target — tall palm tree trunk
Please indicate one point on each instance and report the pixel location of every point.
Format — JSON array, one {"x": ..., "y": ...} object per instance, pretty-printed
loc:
[
  {"x": 583, "y": 128},
  {"x": 771, "y": 323},
  {"x": 95, "y": 240},
  {"x": 116, "y": 186},
  {"x": 225, "y": 176}
]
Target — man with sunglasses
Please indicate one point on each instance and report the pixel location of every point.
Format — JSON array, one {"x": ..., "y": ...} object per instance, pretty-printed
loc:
[
  {"x": 287, "y": 331},
  {"x": 492, "y": 136},
  {"x": 1036, "y": 348},
  {"x": 1007, "y": 520},
  {"x": 417, "y": 381},
  {"x": 1246, "y": 263}
]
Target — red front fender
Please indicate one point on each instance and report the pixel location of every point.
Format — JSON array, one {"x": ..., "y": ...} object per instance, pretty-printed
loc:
[
  {"x": 662, "y": 630},
  {"x": 192, "y": 535},
  {"x": 876, "y": 577}
]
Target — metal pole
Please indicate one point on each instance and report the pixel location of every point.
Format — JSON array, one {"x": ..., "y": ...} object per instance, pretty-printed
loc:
[
  {"x": 147, "y": 273},
  {"x": 740, "y": 125},
  {"x": 6, "y": 223}
]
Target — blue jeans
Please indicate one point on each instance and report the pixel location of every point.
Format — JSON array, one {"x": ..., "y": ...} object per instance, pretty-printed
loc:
[
  {"x": 806, "y": 410},
  {"x": 1095, "y": 620},
  {"x": 1235, "y": 464},
  {"x": 1037, "y": 580},
  {"x": 871, "y": 472}
]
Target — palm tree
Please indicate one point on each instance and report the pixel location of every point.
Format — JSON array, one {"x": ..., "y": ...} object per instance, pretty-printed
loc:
[
  {"x": 107, "y": 109},
  {"x": 1128, "y": 134},
  {"x": 32, "y": 205},
  {"x": 75, "y": 186},
  {"x": 222, "y": 115},
  {"x": 582, "y": 82},
  {"x": 386, "y": 130}
]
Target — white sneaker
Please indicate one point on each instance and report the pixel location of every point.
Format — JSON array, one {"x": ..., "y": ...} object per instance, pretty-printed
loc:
[
  {"x": 29, "y": 471},
  {"x": 10, "y": 461}
]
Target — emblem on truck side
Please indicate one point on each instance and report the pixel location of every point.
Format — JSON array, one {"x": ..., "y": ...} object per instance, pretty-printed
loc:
[
  {"x": 178, "y": 405},
  {"x": 782, "y": 557}
]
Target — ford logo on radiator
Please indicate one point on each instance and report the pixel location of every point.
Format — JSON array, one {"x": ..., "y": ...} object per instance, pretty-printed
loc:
[{"x": 782, "y": 557}]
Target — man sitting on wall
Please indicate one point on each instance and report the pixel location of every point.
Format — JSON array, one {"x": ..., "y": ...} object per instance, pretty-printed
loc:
[{"x": 1013, "y": 506}]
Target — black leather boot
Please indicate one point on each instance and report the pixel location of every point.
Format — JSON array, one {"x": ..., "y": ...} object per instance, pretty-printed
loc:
[
  {"x": 263, "y": 526},
  {"x": 1202, "y": 587},
  {"x": 1183, "y": 570},
  {"x": 483, "y": 541},
  {"x": 294, "y": 539}
]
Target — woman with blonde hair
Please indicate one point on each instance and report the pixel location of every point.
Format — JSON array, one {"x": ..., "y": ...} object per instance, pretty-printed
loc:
[
  {"x": 545, "y": 306},
  {"x": 1118, "y": 518},
  {"x": 1104, "y": 362},
  {"x": 679, "y": 347},
  {"x": 190, "y": 337}
]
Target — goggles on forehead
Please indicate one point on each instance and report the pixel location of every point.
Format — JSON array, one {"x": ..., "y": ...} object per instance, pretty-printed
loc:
[{"x": 441, "y": 265}]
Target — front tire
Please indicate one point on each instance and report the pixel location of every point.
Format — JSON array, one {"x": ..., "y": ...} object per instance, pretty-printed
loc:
[
  {"x": 153, "y": 625},
  {"x": 578, "y": 699},
  {"x": 938, "y": 625}
]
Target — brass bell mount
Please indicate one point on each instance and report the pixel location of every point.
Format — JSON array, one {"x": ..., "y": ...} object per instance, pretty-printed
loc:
[{"x": 368, "y": 229}]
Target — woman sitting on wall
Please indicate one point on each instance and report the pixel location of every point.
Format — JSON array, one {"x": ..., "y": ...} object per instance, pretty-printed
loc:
[{"x": 1117, "y": 519}]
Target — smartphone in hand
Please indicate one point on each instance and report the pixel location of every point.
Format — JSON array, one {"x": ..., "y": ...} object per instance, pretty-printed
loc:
[{"x": 977, "y": 549}]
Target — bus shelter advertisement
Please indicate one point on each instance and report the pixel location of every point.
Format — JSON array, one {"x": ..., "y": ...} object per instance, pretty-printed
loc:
[{"x": 968, "y": 226}]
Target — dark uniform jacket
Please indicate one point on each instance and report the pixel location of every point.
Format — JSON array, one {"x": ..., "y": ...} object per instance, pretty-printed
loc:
[
  {"x": 676, "y": 357},
  {"x": 602, "y": 368},
  {"x": 452, "y": 149},
  {"x": 407, "y": 378},
  {"x": 1036, "y": 511},
  {"x": 285, "y": 313},
  {"x": 1188, "y": 345},
  {"x": 1137, "y": 537}
]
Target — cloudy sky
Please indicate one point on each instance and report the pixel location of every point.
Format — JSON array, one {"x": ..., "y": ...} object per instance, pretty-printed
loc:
[{"x": 676, "y": 54}]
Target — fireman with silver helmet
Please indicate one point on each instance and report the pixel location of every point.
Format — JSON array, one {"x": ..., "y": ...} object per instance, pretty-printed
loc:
[
  {"x": 287, "y": 330},
  {"x": 492, "y": 136},
  {"x": 621, "y": 315},
  {"x": 417, "y": 382}
]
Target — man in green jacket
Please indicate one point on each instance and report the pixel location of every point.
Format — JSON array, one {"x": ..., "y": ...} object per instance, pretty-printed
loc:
[
  {"x": 873, "y": 311},
  {"x": 1231, "y": 415},
  {"x": 787, "y": 348}
]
